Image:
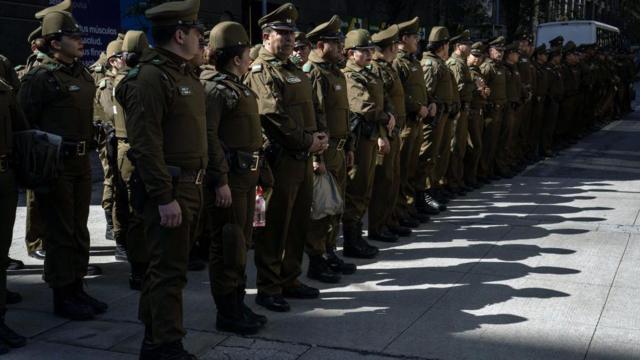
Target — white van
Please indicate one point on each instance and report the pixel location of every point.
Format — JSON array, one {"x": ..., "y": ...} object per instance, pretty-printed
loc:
[{"x": 580, "y": 32}]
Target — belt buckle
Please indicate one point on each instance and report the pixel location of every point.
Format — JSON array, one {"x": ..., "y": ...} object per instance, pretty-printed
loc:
[
  {"x": 255, "y": 163},
  {"x": 82, "y": 148},
  {"x": 341, "y": 144},
  {"x": 199, "y": 177}
]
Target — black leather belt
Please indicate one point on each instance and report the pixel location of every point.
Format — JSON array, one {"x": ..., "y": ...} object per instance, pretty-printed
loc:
[
  {"x": 4, "y": 163},
  {"x": 74, "y": 148},
  {"x": 191, "y": 176},
  {"x": 338, "y": 143}
]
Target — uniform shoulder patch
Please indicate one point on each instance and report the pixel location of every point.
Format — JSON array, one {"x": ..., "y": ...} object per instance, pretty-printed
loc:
[
  {"x": 103, "y": 84},
  {"x": 256, "y": 68},
  {"x": 307, "y": 67},
  {"x": 428, "y": 62}
]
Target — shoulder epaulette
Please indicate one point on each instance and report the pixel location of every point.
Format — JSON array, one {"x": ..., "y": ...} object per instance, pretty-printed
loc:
[
  {"x": 133, "y": 73},
  {"x": 103, "y": 84},
  {"x": 307, "y": 67}
]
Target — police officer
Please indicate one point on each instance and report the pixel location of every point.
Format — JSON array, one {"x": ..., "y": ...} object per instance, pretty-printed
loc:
[
  {"x": 507, "y": 148},
  {"x": 371, "y": 122},
  {"x": 418, "y": 110},
  {"x": 104, "y": 105},
  {"x": 235, "y": 140},
  {"x": 11, "y": 120},
  {"x": 34, "y": 224},
  {"x": 128, "y": 223},
  {"x": 528, "y": 77},
  {"x": 332, "y": 113},
  {"x": 539, "y": 98},
  {"x": 571, "y": 82},
  {"x": 62, "y": 88},
  {"x": 494, "y": 74},
  {"x": 464, "y": 85},
  {"x": 440, "y": 88},
  {"x": 554, "y": 98},
  {"x": 164, "y": 104},
  {"x": 288, "y": 119},
  {"x": 301, "y": 49},
  {"x": 480, "y": 94},
  {"x": 383, "y": 215}
]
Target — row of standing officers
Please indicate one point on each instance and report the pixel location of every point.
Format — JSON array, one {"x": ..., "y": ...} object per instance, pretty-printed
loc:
[{"x": 191, "y": 129}]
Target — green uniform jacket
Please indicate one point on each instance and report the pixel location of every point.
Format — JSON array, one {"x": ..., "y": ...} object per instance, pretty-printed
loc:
[
  {"x": 11, "y": 118},
  {"x": 527, "y": 76},
  {"x": 284, "y": 101},
  {"x": 329, "y": 98},
  {"x": 233, "y": 122},
  {"x": 464, "y": 83},
  {"x": 366, "y": 97},
  {"x": 58, "y": 98},
  {"x": 495, "y": 76},
  {"x": 164, "y": 105},
  {"x": 477, "y": 101},
  {"x": 412, "y": 76},
  {"x": 394, "y": 91},
  {"x": 556, "y": 82},
  {"x": 515, "y": 91},
  {"x": 437, "y": 78}
]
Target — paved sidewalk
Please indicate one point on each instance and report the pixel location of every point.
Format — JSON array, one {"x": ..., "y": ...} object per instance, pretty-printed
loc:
[{"x": 542, "y": 266}]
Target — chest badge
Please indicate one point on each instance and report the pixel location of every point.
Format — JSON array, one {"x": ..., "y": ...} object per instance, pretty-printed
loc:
[
  {"x": 413, "y": 69},
  {"x": 338, "y": 87},
  {"x": 184, "y": 90},
  {"x": 499, "y": 72},
  {"x": 292, "y": 79},
  {"x": 74, "y": 88}
]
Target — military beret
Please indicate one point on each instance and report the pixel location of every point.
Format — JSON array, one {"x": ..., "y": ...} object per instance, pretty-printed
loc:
[
  {"x": 301, "y": 39},
  {"x": 410, "y": 27},
  {"x": 556, "y": 41},
  {"x": 462, "y": 38},
  {"x": 478, "y": 48},
  {"x": 386, "y": 37},
  {"x": 63, "y": 6},
  {"x": 174, "y": 13},
  {"x": 114, "y": 48},
  {"x": 282, "y": 18},
  {"x": 569, "y": 47},
  {"x": 227, "y": 34},
  {"x": 35, "y": 34},
  {"x": 59, "y": 22},
  {"x": 358, "y": 39},
  {"x": 542, "y": 49},
  {"x": 497, "y": 42},
  {"x": 135, "y": 42},
  {"x": 327, "y": 31},
  {"x": 438, "y": 34},
  {"x": 513, "y": 47},
  {"x": 255, "y": 51}
]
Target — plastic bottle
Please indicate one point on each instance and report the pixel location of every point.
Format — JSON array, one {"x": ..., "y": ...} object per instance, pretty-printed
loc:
[{"x": 259, "y": 217}]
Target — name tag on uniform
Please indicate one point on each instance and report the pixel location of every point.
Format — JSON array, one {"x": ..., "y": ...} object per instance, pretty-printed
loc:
[
  {"x": 499, "y": 72},
  {"x": 293, "y": 79},
  {"x": 338, "y": 87},
  {"x": 184, "y": 90},
  {"x": 414, "y": 69},
  {"x": 74, "y": 88},
  {"x": 247, "y": 92}
]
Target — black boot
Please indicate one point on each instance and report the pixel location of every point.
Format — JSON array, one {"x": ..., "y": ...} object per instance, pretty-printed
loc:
[
  {"x": 108, "y": 234},
  {"x": 169, "y": 351},
  {"x": 261, "y": 319},
  {"x": 384, "y": 236},
  {"x": 319, "y": 270},
  {"x": 338, "y": 265},
  {"x": 10, "y": 337},
  {"x": 231, "y": 317},
  {"x": 67, "y": 305},
  {"x": 97, "y": 306},
  {"x": 136, "y": 276},
  {"x": 354, "y": 245},
  {"x": 120, "y": 251},
  {"x": 15, "y": 264},
  {"x": 421, "y": 218},
  {"x": 426, "y": 205}
]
